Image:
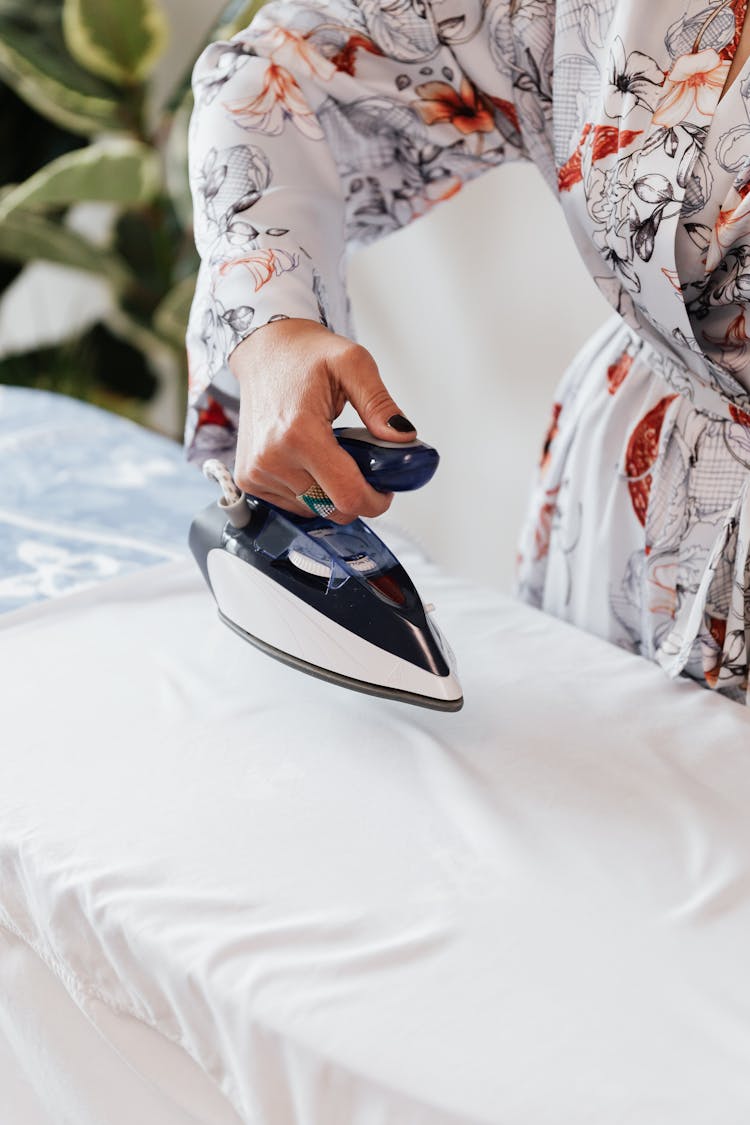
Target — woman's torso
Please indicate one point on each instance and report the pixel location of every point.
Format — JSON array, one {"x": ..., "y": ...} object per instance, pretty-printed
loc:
[{"x": 639, "y": 526}]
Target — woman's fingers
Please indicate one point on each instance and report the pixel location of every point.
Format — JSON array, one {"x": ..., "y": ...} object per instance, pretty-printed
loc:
[
  {"x": 280, "y": 479},
  {"x": 280, "y": 492},
  {"x": 339, "y": 475},
  {"x": 357, "y": 373},
  {"x": 288, "y": 502},
  {"x": 284, "y": 492},
  {"x": 295, "y": 377}
]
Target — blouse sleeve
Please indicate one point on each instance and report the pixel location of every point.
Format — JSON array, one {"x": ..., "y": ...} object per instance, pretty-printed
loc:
[{"x": 323, "y": 126}]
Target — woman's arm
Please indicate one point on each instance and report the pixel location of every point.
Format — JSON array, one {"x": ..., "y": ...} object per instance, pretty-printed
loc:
[{"x": 321, "y": 127}]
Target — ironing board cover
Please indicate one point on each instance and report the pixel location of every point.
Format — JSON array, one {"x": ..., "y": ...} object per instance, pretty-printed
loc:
[
  {"x": 86, "y": 496},
  {"x": 350, "y": 911}
]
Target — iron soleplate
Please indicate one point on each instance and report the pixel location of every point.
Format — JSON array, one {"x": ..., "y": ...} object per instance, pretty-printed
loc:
[{"x": 345, "y": 681}]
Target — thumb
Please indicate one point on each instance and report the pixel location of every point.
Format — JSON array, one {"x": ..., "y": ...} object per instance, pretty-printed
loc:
[{"x": 370, "y": 398}]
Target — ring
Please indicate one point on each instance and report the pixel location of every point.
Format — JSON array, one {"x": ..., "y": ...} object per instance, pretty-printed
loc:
[{"x": 317, "y": 500}]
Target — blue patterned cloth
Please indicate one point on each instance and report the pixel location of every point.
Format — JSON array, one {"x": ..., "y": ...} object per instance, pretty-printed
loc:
[{"x": 85, "y": 496}]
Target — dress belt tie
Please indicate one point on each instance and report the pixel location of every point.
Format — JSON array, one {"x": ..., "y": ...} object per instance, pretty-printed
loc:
[{"x": 697, "y": 387}]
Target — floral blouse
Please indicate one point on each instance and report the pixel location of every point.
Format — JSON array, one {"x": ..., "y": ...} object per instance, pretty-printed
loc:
[{"x": 326, "y": 125}]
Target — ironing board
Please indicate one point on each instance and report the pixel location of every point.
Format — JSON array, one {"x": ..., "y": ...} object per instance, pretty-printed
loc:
[
  {"x": 86, "y": 496},
  {"x": 339, "y": 910},
  {"x": 231, "y": 893}
]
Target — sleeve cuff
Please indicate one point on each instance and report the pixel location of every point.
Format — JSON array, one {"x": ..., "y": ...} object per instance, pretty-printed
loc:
[{"x": 231, "y": 302}]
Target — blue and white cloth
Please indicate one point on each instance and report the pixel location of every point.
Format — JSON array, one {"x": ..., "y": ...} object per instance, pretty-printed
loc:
[{"x": 86, "y": 495}]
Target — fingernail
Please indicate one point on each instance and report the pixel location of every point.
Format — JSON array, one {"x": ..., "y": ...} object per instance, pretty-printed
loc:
[{"x": 398, "y": 422}]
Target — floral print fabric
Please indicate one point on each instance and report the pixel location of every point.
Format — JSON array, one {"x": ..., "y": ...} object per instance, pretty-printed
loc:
[{"x": 326, "y": 125}]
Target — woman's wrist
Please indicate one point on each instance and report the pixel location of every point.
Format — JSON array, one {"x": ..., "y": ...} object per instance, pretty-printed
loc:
[{"x": 266, "y": 338}]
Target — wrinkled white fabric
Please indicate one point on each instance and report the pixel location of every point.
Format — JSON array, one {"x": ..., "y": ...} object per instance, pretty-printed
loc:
[
  {"x": 69, "y": 1062},
  {"x": 350, "y": 911}
]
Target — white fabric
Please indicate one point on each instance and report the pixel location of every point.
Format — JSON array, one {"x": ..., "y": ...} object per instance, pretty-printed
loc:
[
  {"x": 62, "y": 1064},
  {"x": 350, "y": 911}
]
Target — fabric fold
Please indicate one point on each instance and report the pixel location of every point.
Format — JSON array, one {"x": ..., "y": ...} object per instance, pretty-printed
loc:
[{"x": 709, "y": 635}]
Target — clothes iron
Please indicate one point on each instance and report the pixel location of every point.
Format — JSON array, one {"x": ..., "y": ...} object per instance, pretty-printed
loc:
[{"x": 326, "y": 598}]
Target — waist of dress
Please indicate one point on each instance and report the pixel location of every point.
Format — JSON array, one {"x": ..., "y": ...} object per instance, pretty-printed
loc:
[{"x": 720, "y": 396}]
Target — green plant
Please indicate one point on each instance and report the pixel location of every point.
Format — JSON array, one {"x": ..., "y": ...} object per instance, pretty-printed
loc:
[{"x": 77, "y": 126}]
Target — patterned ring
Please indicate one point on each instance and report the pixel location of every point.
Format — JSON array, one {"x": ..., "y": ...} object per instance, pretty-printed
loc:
[{"x": 317, "y": 500}]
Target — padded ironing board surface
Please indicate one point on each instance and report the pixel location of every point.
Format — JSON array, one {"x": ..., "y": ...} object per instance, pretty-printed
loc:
[
  {"x": 86, "y": 496},
  {"x": 350, "y": 911}
]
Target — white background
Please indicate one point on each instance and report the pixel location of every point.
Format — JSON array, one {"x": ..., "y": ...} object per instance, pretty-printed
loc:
[{"x": 472, "y": 340}]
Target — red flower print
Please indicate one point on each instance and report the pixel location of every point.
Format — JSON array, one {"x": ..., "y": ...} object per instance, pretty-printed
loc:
[
  {"x": 544, "y": 525},
  {"x": 607, "y": 139},
  {"x": 616, "y": 372},
  {"x": 291, "y": 50},
  {"x": 262, "y": 265},
  {"x": 467, "y": 110},
  {"x": 641, "y": 454},
  {"x": 213, "y": 415},
  {"x": 717, "y": 627},
  {"x": 550, "y": 436},
  {"x": 508, "y": 110},
  {"x": 346, "y": 58},
  {"x": 279, "y": 100},
  {"x": 662, "y": 594},
  {"x": 281, "y": 97},
  {"x": 693, "y": 87},
  {"x": 434, "y": 193},
  {"x": 673, "y": 278},
  {"x": 740, "y": 416},
  {"x": 733, "y": 344},
  {"x": 732, "y": 224},
  {"x": 739, "y": 7}
]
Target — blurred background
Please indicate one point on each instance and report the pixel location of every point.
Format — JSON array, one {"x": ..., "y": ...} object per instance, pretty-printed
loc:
[{"x": 97, "y": 267}]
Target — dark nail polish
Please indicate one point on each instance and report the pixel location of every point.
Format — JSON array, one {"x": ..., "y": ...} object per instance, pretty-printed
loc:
[{"x": 398, "y": 422}]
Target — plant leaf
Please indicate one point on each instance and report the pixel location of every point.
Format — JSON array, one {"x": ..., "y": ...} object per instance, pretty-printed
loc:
[
  {"x": 118, "y": 170},
  {"x": 235, "y": 17},
  {"x": 52, "y": 84},
  {"x": 171, "y": 316},
  {"x": 118, "y": 39},
  {"x": 134, "y": 331},
  {"x": 25, "y": 237}
]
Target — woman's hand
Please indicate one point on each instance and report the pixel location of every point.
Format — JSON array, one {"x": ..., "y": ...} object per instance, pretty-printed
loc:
[{"x": 295, "y": 376}]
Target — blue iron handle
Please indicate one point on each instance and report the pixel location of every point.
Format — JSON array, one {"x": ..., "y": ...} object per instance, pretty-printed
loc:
[{"x": 388, "y": 466}]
